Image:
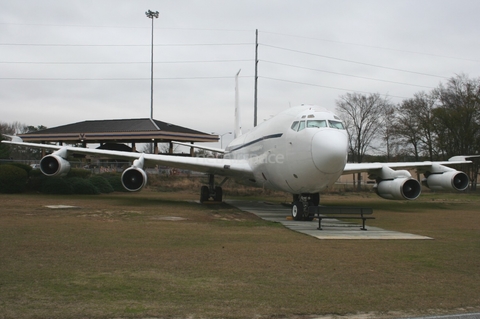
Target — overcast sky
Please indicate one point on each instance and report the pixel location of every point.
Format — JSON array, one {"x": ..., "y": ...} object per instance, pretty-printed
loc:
[{"x": 65, "y": 61}]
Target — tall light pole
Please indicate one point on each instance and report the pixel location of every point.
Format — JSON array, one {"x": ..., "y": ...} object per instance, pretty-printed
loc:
[
  {"x": 151, "y": 15},
  {"x": 221, "y": 139}
]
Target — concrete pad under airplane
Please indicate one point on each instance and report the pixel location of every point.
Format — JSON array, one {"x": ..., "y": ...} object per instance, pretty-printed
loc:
[{"x": 332, "y": 228}]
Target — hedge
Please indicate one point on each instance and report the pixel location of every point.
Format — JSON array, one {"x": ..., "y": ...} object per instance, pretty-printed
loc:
[
  {"x": 13, "y": 179},
  {"x": 82, "y": 186},
  {"x": 101, "y": 184},
  {"x": 56, "y": 185}
]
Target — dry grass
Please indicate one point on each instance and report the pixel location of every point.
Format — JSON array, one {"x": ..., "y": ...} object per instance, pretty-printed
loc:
[
  {"x": 193, "y": 183},
  {"x": 115, "y": 256}
]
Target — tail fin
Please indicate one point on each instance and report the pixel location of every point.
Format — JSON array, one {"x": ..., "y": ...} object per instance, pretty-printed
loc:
[{"x": 238, "y": 126}]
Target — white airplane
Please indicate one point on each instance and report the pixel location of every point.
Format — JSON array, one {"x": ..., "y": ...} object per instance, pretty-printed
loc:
[{"x": 302, "y": 151}]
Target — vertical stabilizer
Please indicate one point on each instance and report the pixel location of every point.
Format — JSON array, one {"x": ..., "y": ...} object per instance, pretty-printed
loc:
[{"x": 238, "y": 126}]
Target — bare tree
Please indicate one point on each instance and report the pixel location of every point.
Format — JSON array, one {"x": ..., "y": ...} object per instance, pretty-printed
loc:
[
  {"x": 415, "y": 124},
  {"x": 362, "y": 116},
  {"x": 388, "y": 131},
  {"x": 19, "y": 153},
  {"x": 458, "y": 118},
  {"x": 458, "y": 115}
]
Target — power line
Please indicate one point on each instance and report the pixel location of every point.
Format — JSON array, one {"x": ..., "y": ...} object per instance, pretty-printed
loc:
[
  {"x": 351, "y": 61},
  {"x": 122, "y": 79},
  {"x": 343, "y": 74},
  {"x": 125, "y": 62},
  {"x": 373, "y": 46},
  {"x": 123, "y": 45},
  {"x": 122, "y": 27},
  {"x": 328, "y": 87}
]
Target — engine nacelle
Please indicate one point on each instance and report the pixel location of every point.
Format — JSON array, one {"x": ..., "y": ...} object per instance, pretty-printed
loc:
[
  {"x": 399, "y": 189},
  {"x": 134, "y": 179},
  {"x": 451, "y": 180},
  {"x": 54, "y": 165}
]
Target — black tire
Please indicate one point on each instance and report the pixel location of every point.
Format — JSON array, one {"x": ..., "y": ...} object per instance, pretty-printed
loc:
[
  {"x": 297, "y": 210},
  {"x": 204, "y": 194},
  {"x": 218, "y": 194}
]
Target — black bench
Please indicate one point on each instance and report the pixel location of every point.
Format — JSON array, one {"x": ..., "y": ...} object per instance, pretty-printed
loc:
[{"x": 338, "y": 212}]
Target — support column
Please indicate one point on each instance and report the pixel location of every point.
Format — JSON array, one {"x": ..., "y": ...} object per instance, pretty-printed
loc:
[{"x": 192, "y": 150}]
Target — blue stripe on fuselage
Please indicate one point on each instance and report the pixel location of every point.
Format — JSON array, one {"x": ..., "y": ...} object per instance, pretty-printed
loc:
[{"x": 255, "y": 141}]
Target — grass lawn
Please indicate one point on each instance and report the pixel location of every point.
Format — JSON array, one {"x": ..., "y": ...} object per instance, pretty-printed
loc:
[{"x": 115, "y": 256}]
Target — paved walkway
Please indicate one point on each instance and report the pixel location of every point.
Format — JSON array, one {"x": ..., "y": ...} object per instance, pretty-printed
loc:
[{"x": 332, "y": 228}]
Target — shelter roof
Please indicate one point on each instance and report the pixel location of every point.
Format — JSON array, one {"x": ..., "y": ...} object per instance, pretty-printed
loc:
[{"x": 126, "y": 130}]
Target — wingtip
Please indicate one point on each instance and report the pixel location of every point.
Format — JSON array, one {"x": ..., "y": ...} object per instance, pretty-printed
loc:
[
  {"x": 14, "y": 138},
  {"x": 462, "y": 158}
]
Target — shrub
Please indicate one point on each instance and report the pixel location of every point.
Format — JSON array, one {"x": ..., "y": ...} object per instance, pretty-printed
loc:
[
  {"x": 12, "y": 179},
  {"x": 56, "y": 185},
  {"x": 115, "y": 180},
  {"x": 35, "y": 180},
  {"x": 25, "y": 167},
  {"x": 79, "y": 172},
  {"x": 102, "y": 185},
  {"x": 82, "y": 186}
]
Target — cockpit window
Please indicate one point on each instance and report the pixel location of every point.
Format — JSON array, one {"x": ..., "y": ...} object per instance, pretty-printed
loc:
[
  {"x": 294, "y": 126},
  {"x": 301, "y": 126},
  {"x": 336, "y": 124},
  {"x": 317, "y": 123}
]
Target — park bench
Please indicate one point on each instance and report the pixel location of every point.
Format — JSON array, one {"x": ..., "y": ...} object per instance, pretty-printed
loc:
[{"x": 338, "y": 212}]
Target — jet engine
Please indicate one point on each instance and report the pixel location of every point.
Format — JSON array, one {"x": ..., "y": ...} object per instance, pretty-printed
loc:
[
  {"x": 134, "y": 178},
  {"x": 54, "y": 165},
  {"x": 399, "y": 188},
  {"x": 451, "y": 180}
]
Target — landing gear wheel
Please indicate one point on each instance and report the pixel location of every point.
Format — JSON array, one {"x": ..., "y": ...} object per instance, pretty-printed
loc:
[
  {"x": 204, "y": 194},
  {"x": 218, "y": 194},
  {"x": 297, "y": 210}
]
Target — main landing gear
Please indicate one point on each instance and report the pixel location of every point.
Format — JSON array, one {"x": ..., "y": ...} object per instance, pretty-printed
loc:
[
  {"x": 212, "y": 191},
  {"x": 301, "y": 203}
]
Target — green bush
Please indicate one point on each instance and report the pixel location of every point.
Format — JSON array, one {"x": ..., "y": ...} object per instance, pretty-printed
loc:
[
  {"x": 35, "y": 180},
  {"x": 12, "y": 179},
  {"x": 56, "y": 185},
  {"x": 82, "y": 186},
  {"x": 115, "y": 180},
  {"x": 79, "y": 172},
  {"x": 25, "y": 167},
  {"x": 102, "y": 185}
]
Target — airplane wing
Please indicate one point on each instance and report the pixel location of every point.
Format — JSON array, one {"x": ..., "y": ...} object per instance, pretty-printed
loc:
[
  {"x": 217, "y": 166},
  {"x": 394, "y": 181},
  {"x": 207, "y": 148},
  {"x": 351, "y": 168}
]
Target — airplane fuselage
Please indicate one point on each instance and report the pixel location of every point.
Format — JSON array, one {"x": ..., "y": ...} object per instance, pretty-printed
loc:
[{"x": 301, "y": 150}]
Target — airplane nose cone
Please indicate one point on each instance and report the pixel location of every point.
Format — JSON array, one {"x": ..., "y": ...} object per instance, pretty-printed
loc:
[{"x": 329, "y": 150}]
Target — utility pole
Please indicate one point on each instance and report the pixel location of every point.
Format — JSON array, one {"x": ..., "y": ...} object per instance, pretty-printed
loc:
[
  {"x": 256, "y": 80},
  {"x": 151, "y": 15}
]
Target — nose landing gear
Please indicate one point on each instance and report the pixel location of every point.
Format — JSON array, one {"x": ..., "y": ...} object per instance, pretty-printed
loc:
[{"x": 301, "y": 203}]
